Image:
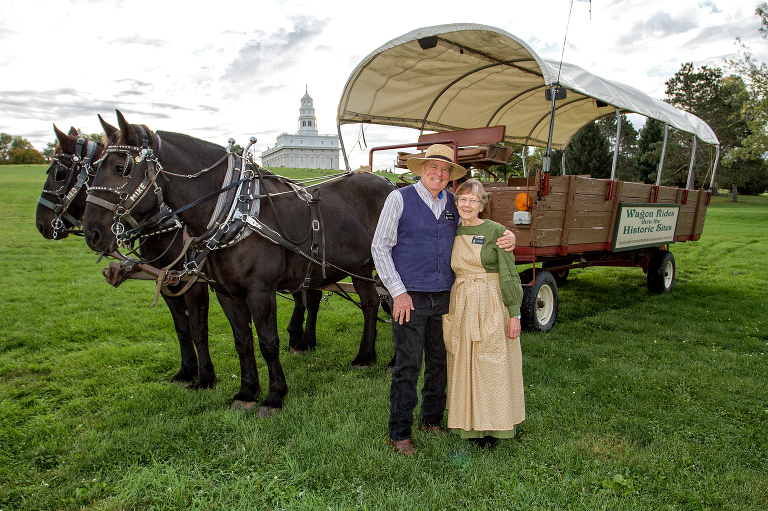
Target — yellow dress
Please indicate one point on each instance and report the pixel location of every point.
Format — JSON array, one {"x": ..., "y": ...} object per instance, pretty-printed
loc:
[{"x": 485, "y": 368}]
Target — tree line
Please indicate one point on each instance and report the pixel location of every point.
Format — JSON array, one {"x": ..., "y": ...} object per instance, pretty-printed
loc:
[
  {"x": 734, "y": 102},
  {"x": 15, "y": 150}
]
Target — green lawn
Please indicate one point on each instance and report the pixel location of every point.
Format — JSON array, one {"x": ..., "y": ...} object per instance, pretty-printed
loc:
[{"x": 635, "y": 401}]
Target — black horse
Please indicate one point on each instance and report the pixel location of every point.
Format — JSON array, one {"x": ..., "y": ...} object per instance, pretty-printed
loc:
[
  {"x": 248, "y": 274},
  {"x": 59, "y": 213}
]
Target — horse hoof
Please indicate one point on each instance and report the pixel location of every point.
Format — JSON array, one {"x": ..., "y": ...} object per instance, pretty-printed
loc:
[
  {"x": 183, "y": 377},
  {"x": 266, "y": 412},
  {"x": 362, "y": 363},
  {"x": 244, "y": 406},
  {"x": 205, "y": 385},
  {"x": 390, "y": 369},
  {"x": 296, "y": 351}
]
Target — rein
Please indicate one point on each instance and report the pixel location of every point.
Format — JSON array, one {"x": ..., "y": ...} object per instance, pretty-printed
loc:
[{"x": 224, "y": 231}]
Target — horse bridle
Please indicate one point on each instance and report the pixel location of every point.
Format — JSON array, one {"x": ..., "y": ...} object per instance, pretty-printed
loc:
[
  {"x": 127, "y": 200},
  {"x": 79, "y": 170}
]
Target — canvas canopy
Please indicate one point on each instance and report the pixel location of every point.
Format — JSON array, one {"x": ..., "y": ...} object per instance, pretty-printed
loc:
[{"x": 462, "y": 76}]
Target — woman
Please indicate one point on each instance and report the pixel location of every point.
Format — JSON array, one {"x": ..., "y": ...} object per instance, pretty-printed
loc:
[{"x": 482, "y": 328}]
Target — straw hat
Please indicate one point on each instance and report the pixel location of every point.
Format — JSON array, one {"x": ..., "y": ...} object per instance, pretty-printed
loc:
[{"x": 437, "y": 152}]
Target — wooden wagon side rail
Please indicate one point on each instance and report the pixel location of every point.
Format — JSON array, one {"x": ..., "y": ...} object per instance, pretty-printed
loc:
[{"x": 576, "y": 217}]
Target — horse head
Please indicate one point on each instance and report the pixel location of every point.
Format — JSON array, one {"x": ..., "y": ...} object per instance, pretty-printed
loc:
[
  {"x": 125, "y": 188},
  {"x": 61, "y": 205}
]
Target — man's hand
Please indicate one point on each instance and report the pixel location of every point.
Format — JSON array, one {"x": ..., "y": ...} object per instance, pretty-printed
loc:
[
  {"x": 507, "y": 241},
  {"x": 402, "y": 307},
  {"x": 513, "y": 328}
]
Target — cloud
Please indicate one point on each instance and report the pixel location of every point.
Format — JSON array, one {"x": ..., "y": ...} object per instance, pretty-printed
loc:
[
  {"x": 724, "y": 35},
  {"x": 659, "y": 25},
  {"x": 33, "y": 103},
  {"x": 134, "y": 87},
  {"x": 5, "y": 33},
  {"x": 68, "y": 103},
  {"x": 138, "y": 41},
  {"x": 711, "y": 5},
  {"x": 270, "y": 52}
]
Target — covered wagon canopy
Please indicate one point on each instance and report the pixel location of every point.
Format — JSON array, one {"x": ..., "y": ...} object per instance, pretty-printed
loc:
[{"x": 463, "y": 76}]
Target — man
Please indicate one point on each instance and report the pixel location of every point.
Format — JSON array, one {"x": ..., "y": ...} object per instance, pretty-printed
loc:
[{"x": 412, "y": 252}]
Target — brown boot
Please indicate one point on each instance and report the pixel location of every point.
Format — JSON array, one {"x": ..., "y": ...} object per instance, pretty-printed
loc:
[{"x": 405, "y": 447}]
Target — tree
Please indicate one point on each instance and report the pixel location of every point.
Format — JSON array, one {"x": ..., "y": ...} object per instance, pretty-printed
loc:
[
  {"x": 719, "y": 101},
  {"x": 5, "y": 148},
  {"x": 625, "y": 168},
  {"x": 755, "y": 110},
  {"x": 95, "y": 137},
  {"x": 28, "y": 156},
  {"x": 649, "y": 144},
  {"x": 50, "y": 148},
  {"x": 514, "y": 166},
  {"x": 18, "y": 150},
  {"x": 589, "y": 153}
]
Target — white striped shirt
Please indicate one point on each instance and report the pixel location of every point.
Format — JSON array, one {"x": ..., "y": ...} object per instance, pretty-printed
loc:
[{"x": 386, "y": 234}]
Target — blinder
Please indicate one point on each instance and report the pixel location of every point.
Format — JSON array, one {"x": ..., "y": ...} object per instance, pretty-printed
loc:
[{"x": 60, "y": 170}]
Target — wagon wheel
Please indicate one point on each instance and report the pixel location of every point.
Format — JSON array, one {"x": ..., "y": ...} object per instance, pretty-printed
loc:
[
  {"x": 540, "y": 301},
  {"x": 560, "y": 276},
  {"x": 661, "y": 272}
]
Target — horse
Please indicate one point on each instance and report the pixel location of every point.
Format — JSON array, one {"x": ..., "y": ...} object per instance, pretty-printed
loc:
[
  {"x": 290, "y": 245},
  {"x": 68, "y": 177},
  {"x": 70, "y": 173}
]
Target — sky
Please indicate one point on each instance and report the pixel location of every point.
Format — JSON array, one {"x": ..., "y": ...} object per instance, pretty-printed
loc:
[{"x": 239, "y": 69}]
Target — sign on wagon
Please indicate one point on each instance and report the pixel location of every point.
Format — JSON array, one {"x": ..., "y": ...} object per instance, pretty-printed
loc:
[{"x": 645, "y": 225}]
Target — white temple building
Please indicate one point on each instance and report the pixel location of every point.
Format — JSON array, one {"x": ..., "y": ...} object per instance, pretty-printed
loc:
[{"x": 305, "y": 149}]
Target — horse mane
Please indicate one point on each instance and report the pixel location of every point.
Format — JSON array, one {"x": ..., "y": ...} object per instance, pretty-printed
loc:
[{"x": 180, "y": 139}]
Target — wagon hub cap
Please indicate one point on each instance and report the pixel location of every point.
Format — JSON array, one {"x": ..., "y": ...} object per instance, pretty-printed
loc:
[{"x": 545, "y": 304}]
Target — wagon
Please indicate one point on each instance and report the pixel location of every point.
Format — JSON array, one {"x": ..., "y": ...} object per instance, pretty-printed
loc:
[{"x": 477, "y": 87}]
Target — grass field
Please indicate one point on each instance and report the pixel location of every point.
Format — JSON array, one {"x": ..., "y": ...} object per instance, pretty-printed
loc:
[{"x": 634, "y": 401}]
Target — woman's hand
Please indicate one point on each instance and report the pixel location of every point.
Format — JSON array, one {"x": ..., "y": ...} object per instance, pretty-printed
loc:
[
  {"x": 507, "y": 241},
  {"x": 513, "y": 328}
]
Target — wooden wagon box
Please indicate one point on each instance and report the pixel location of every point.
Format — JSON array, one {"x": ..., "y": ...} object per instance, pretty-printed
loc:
[{"x": 578, "y": 214}]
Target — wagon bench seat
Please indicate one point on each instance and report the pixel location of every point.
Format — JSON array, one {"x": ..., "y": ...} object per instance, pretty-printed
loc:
[{"x": 478, "y": 147}]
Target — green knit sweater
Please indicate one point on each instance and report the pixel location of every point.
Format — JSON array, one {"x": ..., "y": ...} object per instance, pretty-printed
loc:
[{"x": 497, "y": 260}]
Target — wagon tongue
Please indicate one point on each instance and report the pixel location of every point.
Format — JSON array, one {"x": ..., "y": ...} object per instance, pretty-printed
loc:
[{"x": 117, "y": 272}]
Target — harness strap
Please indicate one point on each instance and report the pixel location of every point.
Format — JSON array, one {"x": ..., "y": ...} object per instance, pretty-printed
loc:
[
  {"x": 50, "y": 205},
  {"x": 313, "y": 250}
]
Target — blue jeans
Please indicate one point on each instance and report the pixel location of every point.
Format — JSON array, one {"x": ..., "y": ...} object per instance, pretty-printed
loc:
[{"x": 422, "y": 334}]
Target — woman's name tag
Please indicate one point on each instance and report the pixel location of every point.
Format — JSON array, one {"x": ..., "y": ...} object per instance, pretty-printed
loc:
[{"x": 478, "y": 240}]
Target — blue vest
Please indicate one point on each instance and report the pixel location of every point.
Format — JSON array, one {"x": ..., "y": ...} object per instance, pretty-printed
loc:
[{"x": 422, "y": 254}]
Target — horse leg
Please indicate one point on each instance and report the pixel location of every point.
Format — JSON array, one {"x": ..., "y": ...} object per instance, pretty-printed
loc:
[
  {"x": 239, "y": 318},
  {"x": 314, "y": 296},
  {"x": 188, "y": 370},
  {"x": 197, "y": 301},
  {"x": 304, "y": 338},
  {"x": 263, "y": 306},
  {"x": 369, "y": 302},
  {"x": 296, "y": 325},
  {"x": 388, "y": 310}
]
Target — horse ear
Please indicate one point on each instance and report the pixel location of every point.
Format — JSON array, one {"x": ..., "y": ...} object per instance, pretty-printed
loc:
[
  {"x": 121, "y": 122},
  {"x": 73, "y": 131},
  {"x": 109, "y": 130},
  {"x": 66, "y": 142}
]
